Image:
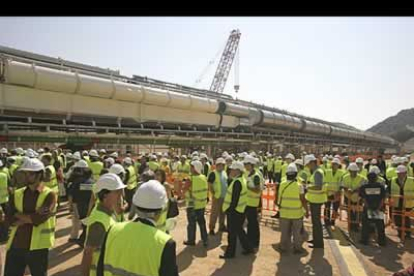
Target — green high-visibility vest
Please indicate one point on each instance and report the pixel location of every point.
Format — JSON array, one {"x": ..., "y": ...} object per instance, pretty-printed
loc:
[
  {"x": 153, "y": 166},
  {"x": 183, "y": 168},
  {"x": 353, "y": 184},
  {"x": 53, "y": 183},
  {"x": 391, "y": 173},
  {"x": 106, "y": 221},
  {"x": 408, "y": 192},
  {"x": 333, "y": 181},
  {"x": 241, "y": 205},
  {"x": 43, "y": 235},
  {"x": 134, "y": 249},
  {"x": 364, "y": 173},
  {"x": 290, "y": 204},
  {"x": 217, "y": 183},
  {"x": 284, "y": 169},
  {"x": 269, "y": 162},
  {"x": 253, "y": 198},
  {"x": 197, "y": 197},
  {"x": 132, "y": 180},
  {"x": 96, "y": 168},
  {"x": 12, "y": 169},
  {"x": 278, "y": 165},
  {"x": 313, "y": 195},
  {"x": 6, "y": 171},
  {"x": 4, "y": 192}
]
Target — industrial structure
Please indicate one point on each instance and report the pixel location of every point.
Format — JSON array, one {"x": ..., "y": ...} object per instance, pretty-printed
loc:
[{"x": 45, "y": 99}]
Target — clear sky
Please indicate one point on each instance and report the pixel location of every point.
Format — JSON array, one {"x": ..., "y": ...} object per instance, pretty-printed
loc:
[{"x": 356, "y": 70}]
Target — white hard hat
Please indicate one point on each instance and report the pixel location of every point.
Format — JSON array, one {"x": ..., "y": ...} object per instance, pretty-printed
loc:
[
  {"x": 76, "y": 155},
  {"x": 195, "y": 158},
  {"x": 40, "y": 150},
  {"x": 220, "y": 161},
  {"x": 269, "y": 154},
  {"x": 224, "y": 154},
  {"x": 353, "y": 167},
  {"x": 195, "y": 153},
  {"x": 85, "y": 152},
  {"x": 229, "y": 158},
  {"x": 36, "y": 154},
  {"x": 153, "y": 157},
  {"x": 198, "y": 166},
  {"x": 19, "y": 151},
  {"x": 93, "y": 153},
  {"x": 374, "y": 169},
  {"x": 203, "y": 155},
  {"x": 404, "y": 159},
  {"x": 359, "y": 160},
  {"x": 248, "y": 159},
  {"x": 325, "y": 159},
  {"x": 114, "y": 154},
  {"x": 237, "y": 166},
  {"x": 374, "y": 161},
  {"x": 102, "y": 151},
  {"x": 69, "y": 155},
  {"x": 401, "y": 169},
  {"x": 309, "y": 158},
  {"x": 336, "y": 161},
  {"x": 159, "y": 153},
  {"x": 338, "y": 156},
  {"x": 298, "y": 162},
  {"x": 32, "y": 165},
  {"x": 291, "y": 168},
  {"x": 253, "y": 154},
  {"x": 330, "y": 157},
  {"x": 399, "y": 160},
  {"x": 184, "y": 156},
  {"x": 3, "y": 150},
  {"x": 394, "y": 156},
  {"x": 117, "y": 169},
  {"x": 81, "y": 164},
  {"x": 109, "y": 181},
  {"x": 110, "y": 160},
  {"x": 150, "y": 195},
  {"x": 165, "y": 154},
  {"x": 127, "y": 160},
  {"x": 290, "y": 156},
  {"x": 30, "y": 154}
]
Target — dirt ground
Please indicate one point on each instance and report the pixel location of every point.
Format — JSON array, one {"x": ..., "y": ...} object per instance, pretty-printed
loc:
[{"x": 339, "y": 257}]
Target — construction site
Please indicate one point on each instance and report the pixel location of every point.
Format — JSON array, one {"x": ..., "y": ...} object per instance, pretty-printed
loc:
[{"x": 54, "y": 104}]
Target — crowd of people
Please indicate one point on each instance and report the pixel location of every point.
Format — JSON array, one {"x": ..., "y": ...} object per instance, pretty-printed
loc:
[{"x": 125, "y": 207}]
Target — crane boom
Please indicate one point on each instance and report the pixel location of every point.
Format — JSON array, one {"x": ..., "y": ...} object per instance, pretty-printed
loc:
[{"x": 226, "y": 61}]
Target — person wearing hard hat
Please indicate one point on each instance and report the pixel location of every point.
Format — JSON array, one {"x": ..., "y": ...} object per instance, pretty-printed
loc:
[
  {"x": 278, "y": 163},
  {"x": 102, "y": 154},
  {"x": 351, "y": 182},
  {"x": 31, "y": 214},
  {"x": 183, "y": 167},
  {"x": 217, "y": 181},
  {"x": 373, "y": 194},
  {"x": 289, "y": 158},
  {"x": 392, "y": 170},
  {"x": 196, "y": 201},
  {"x": 50, "y": 179},
  {"x": 4, "y": 169},
  {"x": 153, "y": 164},
  {"x": 270, "y": 168},
  {"x": 108, "y": 190},
  {"x": 254, "y": 191},
  {"x": 95, "y": 164},
  {"x": 405, "y": 162},
  {"x": 85, "y": 156},
  {"x": 131, "y": 247},
  {"x": 234, "y": 207},
  {"x": 174, "y": 164},
  {"x": 229, "y": 161},
  {"x": 79, "y": 191},
  {"x": 360, "y": 163},
  {"x": 325, "y": 164},
  {"x": 122, "y": 205},
  {"x": 206, "y": 164},
  {"x": 164, "y": 166},
  {"x": 143, "y": 165},
  {"x": 333, "y": 180},
  {"x": 4, "y": 199},
  {"x": 130, "y": 180},
  {"x": 292, "y": 207},
  {"x": 316, "y": 196},
  {"x": 402, "y": 199}
]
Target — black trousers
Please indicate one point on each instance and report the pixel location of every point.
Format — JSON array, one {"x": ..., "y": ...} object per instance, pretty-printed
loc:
[
  {"x": 398, "y": 222},
  {"x": 235, "y": 230},
  {"x": 355, "y": 216},
  {"x": 278, "y": 177},
  {"x": 327, "y": 214},
  {"x": 128, "y": 197},
  {"x": 366, "y": 229},
  {"x": 317, "y": 231},
  {"x": 264, "y": 171},
  {"x": 253, "y": 229},
  {"x": 193, "y": 217},
  {"x": 18, "y": 259},
  {"x": 271, "y": 176},
  {"x": 4, "y": 230}
]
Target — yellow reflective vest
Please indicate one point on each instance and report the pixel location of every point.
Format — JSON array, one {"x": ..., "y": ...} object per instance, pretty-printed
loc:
[
  {"x": 408, "y": 192},
  {"x": 53, "y": 183},
  {"x": 353, "y": 184},
  {"x": 313, "y": 195},
  {"x": 132, "y": 180},
  {"x": 290, "y": 204},
  {"x": 217, "y": 183},
  {"x": 4, "y": 192},
  {"x": 196, "y": 197},
  {"x": 253, "y": 198},
  {"x": 241, "y": 205},
  {"x": 96, "y": 168}
]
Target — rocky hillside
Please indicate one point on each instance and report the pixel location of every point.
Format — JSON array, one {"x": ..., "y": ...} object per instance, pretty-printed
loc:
[{"x": 400, "y": 127}]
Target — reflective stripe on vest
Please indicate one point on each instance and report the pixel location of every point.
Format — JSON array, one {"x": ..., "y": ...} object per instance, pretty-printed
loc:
[
  {"x": 199, "y": 189},
  {"x": 134, "y": 249},
  {"x": 290, "y": 202},
  {"x": 333, "y": 181},
  {"x": 408, "y": 192},
  {"x": 43, "y": 235},
  {"x": 253, "y": 198},
  {"x": 313, "y": 195},
  {"x": 132, "y": 180},
  {"x": 241, "y": 205},
  {"x": 4, "y": 193}
]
